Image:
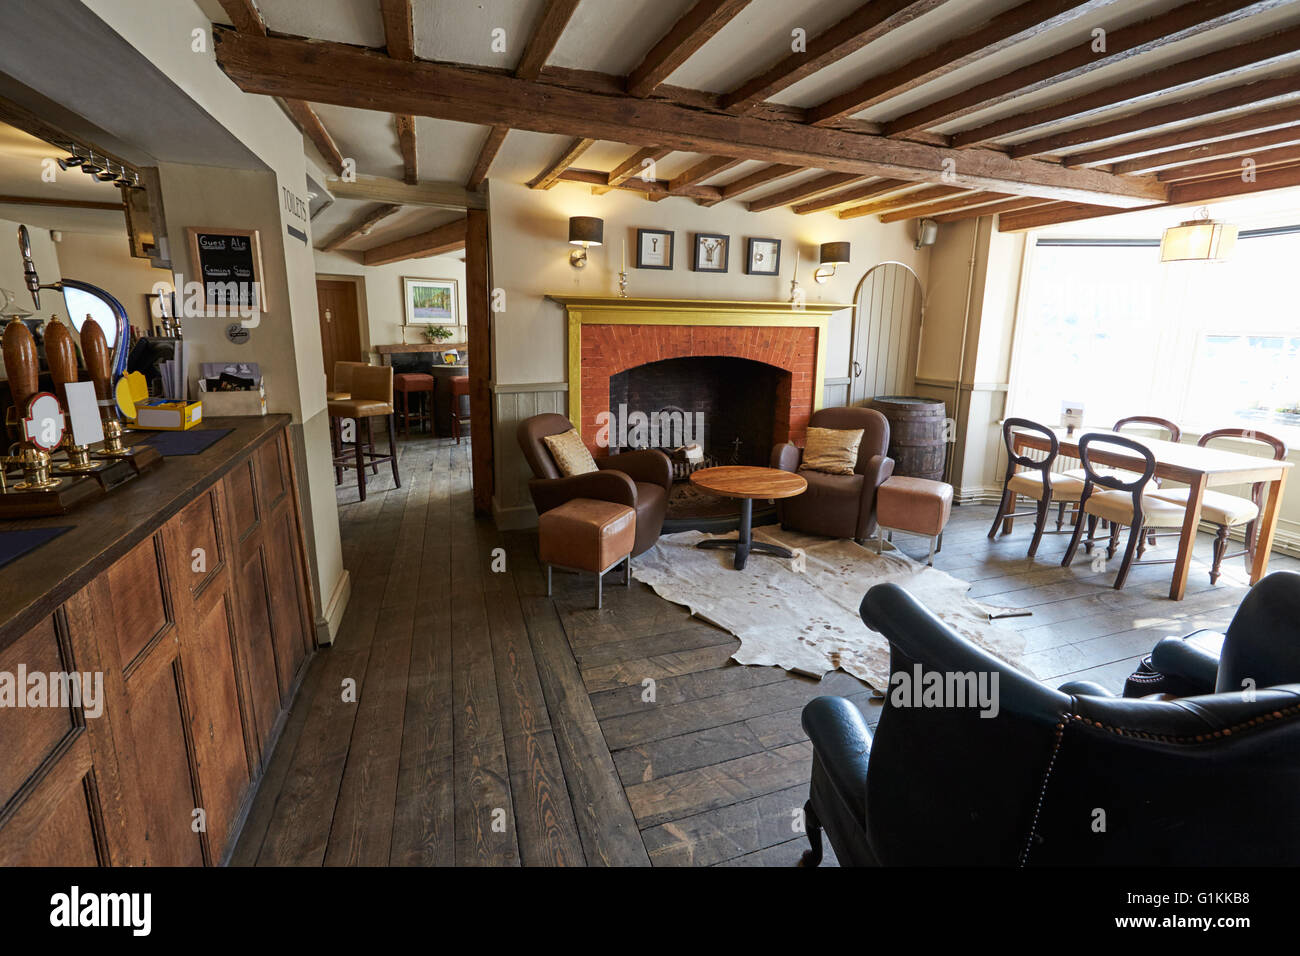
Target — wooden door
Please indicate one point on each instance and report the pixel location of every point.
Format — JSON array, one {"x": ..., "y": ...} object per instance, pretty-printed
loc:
[
  {"x": 886, "y": 326},
  {"x": 340, "y": 323}
]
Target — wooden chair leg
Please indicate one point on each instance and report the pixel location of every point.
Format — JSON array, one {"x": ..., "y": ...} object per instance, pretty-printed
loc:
[
  {"x": 1074, "y": 544},
  {"x": 1040, "y": 523},
  {"x": 360, "y": 448},
  {"x": 1060, "y": 515},
  {"x": 336, "y": 445},
  {"x": 813, "y": 829},
  {"x": 1092, "y": 534},
  {"x": 997, "y": 518},
  {"x": 1013, "y": 504},
  {"x": 1134, "y": 535},
  {"x": 392, "y": 450},
  {"x": 406, "y": 414},
  {"x": 370, "y": 443},
  {"x": 1112, "y": 544},
  {"x": 1220, "y": 549}
]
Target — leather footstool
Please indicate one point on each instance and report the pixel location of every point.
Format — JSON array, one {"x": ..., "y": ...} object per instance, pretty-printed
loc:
[
  {"x": 586, "y": 534},
  {"x": 914, "y": 506}
]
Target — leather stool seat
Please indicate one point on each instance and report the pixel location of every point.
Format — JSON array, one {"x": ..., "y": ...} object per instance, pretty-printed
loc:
[
  {"x": 916, "y": 506},
  {"x": 359, "y": 408},
  {"x": 337, "y": 396},
  {"x": 406, "y": 384},
  {"x": 587, "y": 534}
]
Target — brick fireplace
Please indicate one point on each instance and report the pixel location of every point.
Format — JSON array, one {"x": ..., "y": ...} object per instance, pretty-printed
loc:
[{"x": 608, "y": 337}]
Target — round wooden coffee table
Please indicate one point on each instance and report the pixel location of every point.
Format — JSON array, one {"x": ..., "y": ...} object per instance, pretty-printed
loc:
[{"x": 748, "y": 482}]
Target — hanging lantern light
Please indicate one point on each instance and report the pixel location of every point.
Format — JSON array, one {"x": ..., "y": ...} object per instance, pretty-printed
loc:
[{"x": 1198, "y": 240}]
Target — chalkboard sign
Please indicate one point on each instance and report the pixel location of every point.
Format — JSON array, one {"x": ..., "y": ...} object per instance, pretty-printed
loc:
[{"x": 229, "y": 263}]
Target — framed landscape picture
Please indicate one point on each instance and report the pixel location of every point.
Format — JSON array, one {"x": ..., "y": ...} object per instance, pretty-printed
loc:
[
  {"x": 654, "y": 249},
  {"x": 711, "y": 252},
  {"x": 431, "y": 301},
  {"x": 763, "y": 257}
]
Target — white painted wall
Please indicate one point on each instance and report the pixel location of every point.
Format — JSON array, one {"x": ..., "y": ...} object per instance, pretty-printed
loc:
[{"x": 106, "y": 261}]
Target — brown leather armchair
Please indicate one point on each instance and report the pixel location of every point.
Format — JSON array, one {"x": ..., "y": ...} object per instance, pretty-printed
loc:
[
  {"x": 638, "y": 479},
  {"x": 839, "y": 506}
]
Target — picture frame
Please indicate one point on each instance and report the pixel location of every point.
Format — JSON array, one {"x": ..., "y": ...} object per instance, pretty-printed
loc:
[
  {"x": 711, "y": 252},
  {"x": 762, "y": 257},
  {"x": 430, "y": 302},
  {"x": 655, "y": 248},
  {"x": 220, "y": 256}
]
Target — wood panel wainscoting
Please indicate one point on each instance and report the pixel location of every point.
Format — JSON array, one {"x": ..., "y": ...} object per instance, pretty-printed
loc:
[{"x": 187, "y": 596}]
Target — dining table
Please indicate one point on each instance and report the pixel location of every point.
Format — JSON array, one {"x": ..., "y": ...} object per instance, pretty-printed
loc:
[{"x": 1195, "y": 466}]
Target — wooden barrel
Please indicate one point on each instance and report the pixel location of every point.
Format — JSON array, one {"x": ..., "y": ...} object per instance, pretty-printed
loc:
[{"x": 916, "y": 434}]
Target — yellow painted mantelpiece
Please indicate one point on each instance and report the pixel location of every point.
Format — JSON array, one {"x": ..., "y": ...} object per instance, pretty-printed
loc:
[{"x": 598, "y": 310}]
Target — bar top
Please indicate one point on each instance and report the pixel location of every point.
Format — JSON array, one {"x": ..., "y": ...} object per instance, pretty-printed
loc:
[{"x": 36, "y": 583}]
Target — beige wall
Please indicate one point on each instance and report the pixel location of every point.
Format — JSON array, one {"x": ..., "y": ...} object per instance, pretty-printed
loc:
[
  {"x": 106, "y": 261},
  {"x": 383, "y": 304}
]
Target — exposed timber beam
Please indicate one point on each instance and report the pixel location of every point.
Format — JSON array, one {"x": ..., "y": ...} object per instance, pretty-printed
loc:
[
  {"x": 675, "y": 47},
  {"x": 64, "y": 203},
  {"x": 1206, "y": 152},
  {"x": 638, "y": 164},
  {"x": 918, "y": 197},
  {"x": 1233, "y": 165},
  {"x": 847, "y": 197},
  {"x": 381, "y": 189},
  {"x": 491, "y": 146},
  {"x": 755, "y": 180},
  {"x": 406, "y": 142},
  {"x": 334, "y": 73},
  {"x": 399, "y": 36},
  {"x": 1184, "y": 22},
  {"x": 361, "y": 227},
  {"x": 546, "y": 33},
  {"x": 1258, "y": 93},
  {"x": 702, "y": 171},
  {"x": 549, "y": 176},
  {"x": 654, "y": 189},
  {"x": 804, "y": 190},
  {"x": 865, "y": 24},
  {"x": 1018, "y": 23},
  {"x": 943, "y": 206},
  {"x": 1011, "y": 205},
  {"x": 1233, "y": 61},
  {"x": 435, "y": 242}
]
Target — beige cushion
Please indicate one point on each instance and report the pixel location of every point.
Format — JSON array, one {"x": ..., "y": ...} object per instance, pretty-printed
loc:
[
  {"x": 832, "y": 450},
  {"x": 1117, "y": 506},
  {"x": 1216, "y": 507},
  {"x": 1030, "y": 484},
  {"x": 570, "y": 454}
]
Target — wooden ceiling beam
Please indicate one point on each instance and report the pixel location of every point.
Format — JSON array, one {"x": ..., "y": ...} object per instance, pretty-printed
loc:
[
  {"x": 1054, "y": 214},
  {"x": 675, "y": 47},
  {"x": 847, "y": 197},
  {"x": 1233, "y": 165},
  {"x": 1186, "y": 137},
  {"x": 755, "y": 180},
  {"x": 1212, "y": 189},
  {"x": 63, "y": 203},
  {"x": 385, "y": 190},
  {"x": 802, "y": 191},
  {"x": 546, "y": 33},
  {"x": 407, "y": 144},
  {"x": 1011, "y": 205},
  {"x": 1248, "y": 94},
  {"x": 334, "y": 73},
  {"x": 1233, "y": 61},
  {"x": 399, "y": 37},
  {"x": 1018, "y": 23},
  {"x": 634, "y": 165},
  {"x": 935, "y": 209},
  {"x": 867, "y": 23},
  {"x": 305, "y": 119},
  {"x": 1206, "y": 152},
  {"x": 361, "y": 226},
  {"x": 654, "y": 189},
  {"x": 435, "y": 242},
  {"x": 919, "y": 197},
  {"x": 551, "y": 175},
  {"x": 703, "y": 170},
  {"x": 1183, "y": 22},
  {"x": 496, "y": 136}
]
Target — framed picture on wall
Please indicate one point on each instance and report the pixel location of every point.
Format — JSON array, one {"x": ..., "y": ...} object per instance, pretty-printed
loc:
[
  {"x": 763, "y": 257},
  {"x": 711, "y": 252},
  {"x": 430, "y": 301},
  {"x": 654, "y": 249}
]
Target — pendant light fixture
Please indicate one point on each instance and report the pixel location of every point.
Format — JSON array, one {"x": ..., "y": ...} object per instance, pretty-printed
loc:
[{"x": 1198, "y": 240}]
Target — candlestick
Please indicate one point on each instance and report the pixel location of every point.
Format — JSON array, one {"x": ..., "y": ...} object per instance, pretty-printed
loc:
[{"x": 623, "y": 265}]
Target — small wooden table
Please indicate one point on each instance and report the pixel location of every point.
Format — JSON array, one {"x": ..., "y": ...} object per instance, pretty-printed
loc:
[
  {"x": 1198, "y": 468},
  {"x": 748, "y": 482}
]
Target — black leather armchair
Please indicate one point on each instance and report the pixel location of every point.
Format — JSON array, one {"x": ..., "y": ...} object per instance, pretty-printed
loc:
[{"x": 1051, "y": 778}]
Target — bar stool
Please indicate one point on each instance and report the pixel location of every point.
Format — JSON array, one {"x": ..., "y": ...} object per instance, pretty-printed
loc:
[
  {"x": 372, "y": 397},
  {"x": 459, "y": 390},
  {"x": 406, "y": 384},
  {"x": 341, "y": 390}
]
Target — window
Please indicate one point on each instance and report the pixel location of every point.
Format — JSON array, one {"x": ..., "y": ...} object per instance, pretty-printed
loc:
[{"x": 1208, "y": 345}]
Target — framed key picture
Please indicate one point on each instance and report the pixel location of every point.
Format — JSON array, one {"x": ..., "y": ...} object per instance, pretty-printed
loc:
[
  {"x": 763, "y": 257},
  {"x": 654, "y": 249},
  {"x": 711, "y": 252}
]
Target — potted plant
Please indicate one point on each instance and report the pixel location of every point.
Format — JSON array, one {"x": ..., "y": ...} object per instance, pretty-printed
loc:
[{"x": 436, "y": 333}]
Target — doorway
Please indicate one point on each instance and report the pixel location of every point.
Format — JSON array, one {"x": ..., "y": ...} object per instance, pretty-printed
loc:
[{"x": 340, "y": 323}]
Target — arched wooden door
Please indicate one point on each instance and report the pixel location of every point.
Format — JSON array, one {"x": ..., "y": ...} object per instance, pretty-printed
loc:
[{"x": 886, "y": 332}]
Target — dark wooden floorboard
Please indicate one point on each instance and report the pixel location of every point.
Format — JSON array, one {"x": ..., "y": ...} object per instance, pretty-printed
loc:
[{"x": 497, "y": 726}]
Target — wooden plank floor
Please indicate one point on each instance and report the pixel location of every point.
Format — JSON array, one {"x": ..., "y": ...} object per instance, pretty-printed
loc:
[{"x": 464, "y": 718}]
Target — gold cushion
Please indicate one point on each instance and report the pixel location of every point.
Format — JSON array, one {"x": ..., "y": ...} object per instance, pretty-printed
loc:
[
  {"x": 1216, "y": 507},
  {"x": 1030, "y": 484},
  {"x": 358, "y": 408},
  {"x": 570, "y": 454},
  {"x": 1117, "y": 506},
  {"x": 833, "y": 451}
]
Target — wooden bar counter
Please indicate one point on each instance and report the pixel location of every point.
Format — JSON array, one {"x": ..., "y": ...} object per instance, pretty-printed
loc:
[{"x": 187, "y": 592}]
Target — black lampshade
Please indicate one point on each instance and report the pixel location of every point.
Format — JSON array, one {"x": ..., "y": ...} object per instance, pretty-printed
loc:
[
  {"x": 586, "y": 230},
  {"x": 834, "y": 253}
]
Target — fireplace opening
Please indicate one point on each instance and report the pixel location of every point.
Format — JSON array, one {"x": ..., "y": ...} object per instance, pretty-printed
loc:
[{"x": 734, "y": 409}]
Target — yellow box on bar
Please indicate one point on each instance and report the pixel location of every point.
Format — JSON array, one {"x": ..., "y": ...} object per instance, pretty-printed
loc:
[{"x": 160, "y": 414}]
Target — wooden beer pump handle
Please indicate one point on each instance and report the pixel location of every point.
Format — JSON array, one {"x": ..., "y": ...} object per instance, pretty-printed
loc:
[
  {"x": 21, "y": 364},
  {"x": 99, "y": 364},
  {"x": 61, "y": 356}
]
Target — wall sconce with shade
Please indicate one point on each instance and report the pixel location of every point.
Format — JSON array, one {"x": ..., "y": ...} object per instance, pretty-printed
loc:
[
  {"x": 584, "y": 231},
  {"x": 832, "y": 254},
  {"x": 1198, "y": 240}
]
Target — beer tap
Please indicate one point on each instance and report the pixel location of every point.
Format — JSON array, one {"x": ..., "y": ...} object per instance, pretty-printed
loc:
[
  {"x": 61, "y": 356},
  {"x": 99, "y": 366},
  {"x": 23, "y": 368}
]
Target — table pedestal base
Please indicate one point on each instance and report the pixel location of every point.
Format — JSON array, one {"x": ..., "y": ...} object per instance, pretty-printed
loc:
[{"x": 744, "y": 543}]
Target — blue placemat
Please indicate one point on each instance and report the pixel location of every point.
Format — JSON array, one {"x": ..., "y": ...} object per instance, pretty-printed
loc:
[
  {"x": 192, "y": 442},
  {"x": 14, "y": 544}
]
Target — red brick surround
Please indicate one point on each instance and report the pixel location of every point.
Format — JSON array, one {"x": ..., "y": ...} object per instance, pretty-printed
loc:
[{"x": 610, "y": 349}]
